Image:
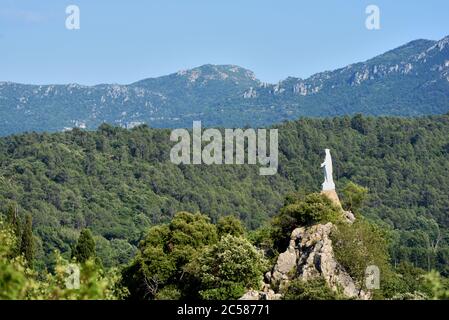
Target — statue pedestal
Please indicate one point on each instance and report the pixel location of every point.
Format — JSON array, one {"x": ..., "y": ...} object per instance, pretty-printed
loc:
[
  {"x": 328, "y": 186},
  {"x": 333, "y": 196}
]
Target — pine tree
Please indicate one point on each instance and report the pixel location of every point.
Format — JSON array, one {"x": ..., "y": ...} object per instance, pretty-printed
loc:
[
  {"x": 12, "y": 217},
  {"x": 27, "y": 245},
  {"x": 85, "y": 247}
]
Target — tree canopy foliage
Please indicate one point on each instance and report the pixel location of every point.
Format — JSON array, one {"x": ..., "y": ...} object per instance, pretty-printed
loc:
[
  {"x": 225, "y": 270},
  {"x": 19, "y": 282},
  {"x": 85, "y": 247},
  {"x": 119, "y": 182}
]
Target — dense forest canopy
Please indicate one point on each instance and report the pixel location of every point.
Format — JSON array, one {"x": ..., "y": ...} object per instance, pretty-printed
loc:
[{"x": 119, "y": 182}]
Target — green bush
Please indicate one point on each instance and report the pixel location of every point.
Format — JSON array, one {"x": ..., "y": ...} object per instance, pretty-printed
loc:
[
  {"x": 360, "y": 245},
  {"x": 438, "y": 285},
  {"x": 157, "y": 271},
  {"x": 19, "y": 282},
  {"x": 230, "y": 225},
  {"x": 85, "y": 247},
  {"x": 262, "y": 238},
  {"x": 226, "y": 291},
  {"x": 170, "y": 292},
  {"x": 315, "y": 208},
  {"x": 302, "y": 211},
  {"x": 354, "y": 197},
  {"x": 314, "y": 289},
  {"x": 224, "y": 270}
]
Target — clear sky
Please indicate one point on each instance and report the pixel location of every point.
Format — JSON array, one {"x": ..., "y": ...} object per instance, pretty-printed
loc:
[{"x": 125, "y": 41}]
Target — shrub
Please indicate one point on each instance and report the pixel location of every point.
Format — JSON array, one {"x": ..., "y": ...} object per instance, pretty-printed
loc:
[
  {"x": 262, "y": 238},
  {"x": 439, "y": 286},
  {"x": 170, "y": 292},
  {"x": 158, "y": 268},
  {"x": 315, "y": 208},
  {"x": 360, "y": 245},
  {"x": 224, "y": 270},
  {"x": 314, "y": 289},
  {"x": 303, "y": 211},
  {"x": 353, "y": 197},
  {"x": 230, "y": 225},
  {"x": 19, "y": 282}
]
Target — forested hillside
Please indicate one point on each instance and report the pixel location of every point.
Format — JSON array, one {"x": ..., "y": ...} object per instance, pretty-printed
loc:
[{"x": 119, "y": 182}]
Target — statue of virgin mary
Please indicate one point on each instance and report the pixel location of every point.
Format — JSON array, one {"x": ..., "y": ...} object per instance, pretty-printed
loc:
[{"x": 328, "y": 184}]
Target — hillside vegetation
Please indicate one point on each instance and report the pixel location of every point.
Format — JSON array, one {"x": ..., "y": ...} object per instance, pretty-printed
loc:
[{"x": 120, "y": 182}]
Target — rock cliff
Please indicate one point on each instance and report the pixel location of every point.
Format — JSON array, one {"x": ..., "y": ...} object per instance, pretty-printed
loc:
[{"x": 309, "y": 255}]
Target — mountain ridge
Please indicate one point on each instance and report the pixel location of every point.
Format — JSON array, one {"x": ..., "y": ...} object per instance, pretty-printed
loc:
[
  {"x": 207, "y": 65},
  {"x": 410, "y": 80}
]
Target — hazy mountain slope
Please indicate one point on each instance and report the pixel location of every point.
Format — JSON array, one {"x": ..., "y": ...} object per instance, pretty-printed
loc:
[{"x": 407, "y": 81}]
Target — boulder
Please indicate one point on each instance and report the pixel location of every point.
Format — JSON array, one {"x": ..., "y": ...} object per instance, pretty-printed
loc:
[{"x": 260, "y": 295}]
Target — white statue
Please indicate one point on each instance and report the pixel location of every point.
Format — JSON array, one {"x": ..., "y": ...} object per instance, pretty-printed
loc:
[{"x": 328, "y": 184}]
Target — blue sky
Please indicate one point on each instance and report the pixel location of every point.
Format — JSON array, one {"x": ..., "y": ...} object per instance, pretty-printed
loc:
[{"x": 125, "y": 41}]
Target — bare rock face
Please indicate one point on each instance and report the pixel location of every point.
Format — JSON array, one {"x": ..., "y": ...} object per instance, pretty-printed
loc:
[
  {"x": 286, "y": 264},
  {"x": 310, "y": 255},
  {"x": 261, "y": 295},
  {"x": 349, "y": 216},
  {"x": 251, "y": 295}
]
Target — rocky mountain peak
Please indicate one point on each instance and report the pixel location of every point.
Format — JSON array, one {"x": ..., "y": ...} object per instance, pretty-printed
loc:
[
  {"x": 375, "y": 87},
  {"x": 210, "y": 72},
  {"x": 440, "y": 45}
]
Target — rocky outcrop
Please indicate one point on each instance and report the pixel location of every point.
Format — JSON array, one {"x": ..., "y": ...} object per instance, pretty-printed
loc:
[
  {"x": 309, "y": 255},
  {"x": 250, "y": 93},
  {"x": 261, "y": 295}
]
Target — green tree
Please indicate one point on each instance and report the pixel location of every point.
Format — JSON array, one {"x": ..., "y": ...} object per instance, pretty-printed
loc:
[
  {"x": 360, "y": 245},
  {"x": 313, "y": 289},
  {"x": 353, "y": 197},
  {"x": 157, "y": 271},
  {"x": 227, "y": 268},
  {"x": 150, "y": 271},
  {"x": 14, "y": 282},
  {"x": 85, "y": 247},
  {"x": 230, "y": 225},
  {"x": 18, "y": 282},
  {"x": 438, "y": 285},
  {"x": 302, "y": 211},
  {"x": 27, "y": 243},
  {"x": 12, "y": 218}
]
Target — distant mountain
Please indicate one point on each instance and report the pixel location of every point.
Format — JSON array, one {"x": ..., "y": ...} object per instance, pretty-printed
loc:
[{"x": 408, "y": 81}]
